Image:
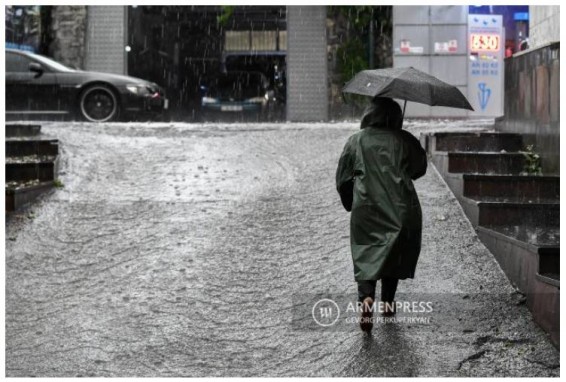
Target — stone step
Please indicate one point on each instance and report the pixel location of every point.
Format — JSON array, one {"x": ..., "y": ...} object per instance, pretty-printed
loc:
[
  {"x": 519, "y": 188},
  {"x": 544, "y": 236},
  {"x": 28, "y": 147},
  {"x": 19, "y": 196},
  {"x": 516, "y": 217},
  {"x": 534, "y": 270},
  {"x": 42, "y": 170},
  {"x": 510, "y": 213},
  {"x": 485, "y": 163},
  {"x": 450, "y": 163},
  {"x": 514, "y": 209},
  {"x": 22, "y": 130},
  {"x": 541, "y": 255},
  {"x": 549, "y": 265},
  {"x": 476, "y": 141}
]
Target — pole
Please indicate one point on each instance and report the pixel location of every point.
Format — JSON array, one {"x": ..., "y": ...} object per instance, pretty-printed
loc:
[{"x": 371, "y": 42}]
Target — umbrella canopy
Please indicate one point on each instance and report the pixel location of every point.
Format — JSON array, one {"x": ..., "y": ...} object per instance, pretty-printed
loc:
[{"x": 408, "y": 84}]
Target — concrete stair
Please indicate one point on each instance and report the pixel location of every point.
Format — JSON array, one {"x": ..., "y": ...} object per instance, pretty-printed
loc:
[
  {"x": 32, "y": 164},
  {"x": 516, "y": 216}
]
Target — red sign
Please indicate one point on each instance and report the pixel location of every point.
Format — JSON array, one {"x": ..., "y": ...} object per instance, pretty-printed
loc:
[{"x": 453, "y": 45}]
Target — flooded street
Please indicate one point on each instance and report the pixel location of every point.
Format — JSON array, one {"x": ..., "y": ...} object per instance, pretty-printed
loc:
[{"x": 187, "y": 250}]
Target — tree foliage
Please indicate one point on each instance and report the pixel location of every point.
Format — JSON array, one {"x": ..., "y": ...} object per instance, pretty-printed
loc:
[
  {"x": 225, "y": 15},
  {"x": 353, "y": 54}
]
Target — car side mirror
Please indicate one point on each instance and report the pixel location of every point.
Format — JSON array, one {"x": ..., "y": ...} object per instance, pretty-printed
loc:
[{"x": 36, "y": 68}]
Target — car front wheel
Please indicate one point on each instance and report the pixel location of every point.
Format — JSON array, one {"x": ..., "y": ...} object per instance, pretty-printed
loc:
[{"x": 99, "y": 104}]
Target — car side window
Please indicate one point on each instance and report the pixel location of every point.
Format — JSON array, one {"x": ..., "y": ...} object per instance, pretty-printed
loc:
[{"x": 17, "y": 63}]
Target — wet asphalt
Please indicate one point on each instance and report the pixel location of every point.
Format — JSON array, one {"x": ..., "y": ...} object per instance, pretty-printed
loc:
[{"x": 197, "y": 250}]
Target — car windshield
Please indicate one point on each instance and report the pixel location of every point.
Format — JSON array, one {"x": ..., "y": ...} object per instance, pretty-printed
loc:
[
  {"x": 237, "y": 85},
  {"x": 51, "y": 63}
]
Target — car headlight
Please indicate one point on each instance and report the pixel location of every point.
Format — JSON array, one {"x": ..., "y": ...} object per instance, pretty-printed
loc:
[
  {"x": 138, "y": 89},
  {"x": 209, "y": 100}
]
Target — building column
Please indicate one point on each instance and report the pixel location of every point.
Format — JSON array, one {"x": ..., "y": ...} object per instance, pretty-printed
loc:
[
  {"x": 307, "y": 74},
  {"x": 106, "y": 39}
]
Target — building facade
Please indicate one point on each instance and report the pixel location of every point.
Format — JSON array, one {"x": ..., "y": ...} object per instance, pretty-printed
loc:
[
  {"x": 115, "y": 35},
  {"x": 532, "y": 88},
  {"x": 544, "y": 24},
  {"x": 433, "y": 39},
  {"x": 464, "y": 46}
]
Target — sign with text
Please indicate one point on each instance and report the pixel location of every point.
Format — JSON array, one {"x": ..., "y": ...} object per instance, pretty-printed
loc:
[
  {"x": 405, "y": 47},
  {"x": 486, "y": 68},
  {"x": 446, "y": 47}
]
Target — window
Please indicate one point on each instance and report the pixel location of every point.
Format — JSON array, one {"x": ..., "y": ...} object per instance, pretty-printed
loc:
[
  {"x": 17, "y": 63},
  {"x": 254, "y": 40},
  {"x": 282, "y": 40},
  {"x": 237, "y": 40},
  {"x": 264, "y": 40}
]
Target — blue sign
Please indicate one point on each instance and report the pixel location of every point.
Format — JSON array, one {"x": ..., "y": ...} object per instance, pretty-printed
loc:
[
  {"x": 483, "y": 95},
  {"x": 521, "y": 16}
]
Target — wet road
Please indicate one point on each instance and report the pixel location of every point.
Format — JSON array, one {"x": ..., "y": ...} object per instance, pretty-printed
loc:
[{"x": 185, "y": 250}]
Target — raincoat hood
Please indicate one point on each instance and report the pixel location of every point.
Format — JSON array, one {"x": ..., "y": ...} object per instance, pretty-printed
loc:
[{"x": 384, "y": 113}]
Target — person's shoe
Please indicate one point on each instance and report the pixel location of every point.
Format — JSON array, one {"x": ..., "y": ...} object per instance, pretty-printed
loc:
[
  {"x": 388, "y": 309},
  {"x": 366, "y": 319}
]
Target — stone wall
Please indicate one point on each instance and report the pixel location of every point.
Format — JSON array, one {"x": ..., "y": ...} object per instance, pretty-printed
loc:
[
  {"x": 68, "y": 35},
  {"x": 532, "y": 102},
  {"x": 544, "y": 25}
]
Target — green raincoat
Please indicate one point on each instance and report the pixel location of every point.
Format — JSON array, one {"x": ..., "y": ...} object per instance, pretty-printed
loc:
[{"x": 375, "y": 174}]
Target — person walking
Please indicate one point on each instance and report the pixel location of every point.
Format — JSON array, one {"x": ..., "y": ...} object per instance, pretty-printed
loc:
[{"x": 374, "y": 179}]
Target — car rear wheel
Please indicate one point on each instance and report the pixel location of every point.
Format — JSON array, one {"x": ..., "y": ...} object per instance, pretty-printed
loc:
[{"x": 99, "y": 104}]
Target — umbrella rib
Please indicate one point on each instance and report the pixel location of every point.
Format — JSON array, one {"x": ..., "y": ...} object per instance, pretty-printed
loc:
[{"x": 391, "y": 79}]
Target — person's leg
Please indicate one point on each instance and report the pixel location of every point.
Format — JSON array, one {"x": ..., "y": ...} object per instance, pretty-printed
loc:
[
  {"x": 366, "y": 295},
  {"x": 366, "y": 288},
  {"x": 388, "y": 289}
]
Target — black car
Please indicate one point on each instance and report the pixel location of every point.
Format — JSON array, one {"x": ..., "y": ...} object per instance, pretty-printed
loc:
[
  {"x": 37, "y": 85},
  {"x": 237, "y": 95}
]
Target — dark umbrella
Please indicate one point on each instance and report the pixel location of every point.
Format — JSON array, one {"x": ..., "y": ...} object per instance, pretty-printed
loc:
[{"x": 408, "y": 84}]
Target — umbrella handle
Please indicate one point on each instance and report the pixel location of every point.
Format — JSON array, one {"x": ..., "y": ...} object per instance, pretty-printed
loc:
[{"x": 404, "y": 107}]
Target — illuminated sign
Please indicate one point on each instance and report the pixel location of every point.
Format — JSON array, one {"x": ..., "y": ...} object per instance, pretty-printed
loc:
[
  {"x": 486, "y": 37},
  {"x": 479, "y": 41}
]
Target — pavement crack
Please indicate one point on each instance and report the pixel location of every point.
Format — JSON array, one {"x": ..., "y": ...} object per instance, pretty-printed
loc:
[
  {"x": 472, "y": 357},
  {"x": 480, "y": 341},
  {"x": 553, "y": 366}
]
